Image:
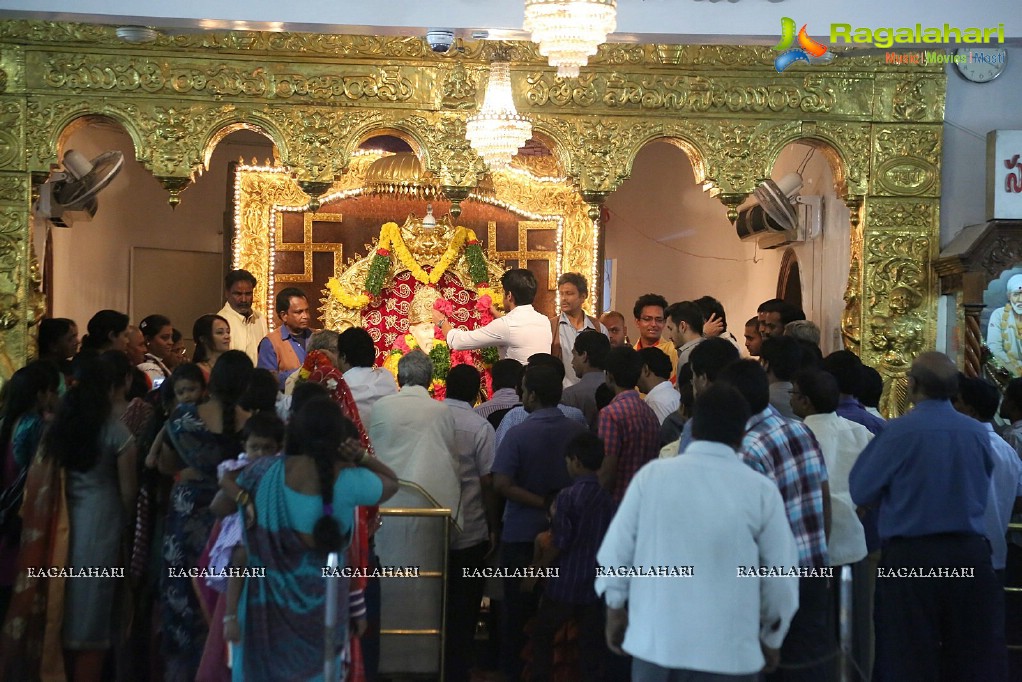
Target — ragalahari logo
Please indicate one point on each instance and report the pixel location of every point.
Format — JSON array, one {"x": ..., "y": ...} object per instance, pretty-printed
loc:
[{"x": 807, "y": 46}]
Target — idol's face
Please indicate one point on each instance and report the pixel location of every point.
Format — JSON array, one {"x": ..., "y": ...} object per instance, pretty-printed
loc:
[{"x": 1015, "y": 298}]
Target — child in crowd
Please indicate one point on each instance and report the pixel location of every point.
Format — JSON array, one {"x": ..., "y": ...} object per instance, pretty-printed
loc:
[
  {"x": 581, "y": 515},
  {"x": 263, "y": 435},
  {"x": 187, "y": 384}
]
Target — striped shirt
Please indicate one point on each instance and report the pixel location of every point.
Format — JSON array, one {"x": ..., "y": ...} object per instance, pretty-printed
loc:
[
  {"x": 503, "y": 398},
  {"x": 584, "y": 511},
  {"x": 631, "y": 432},
  {"x": 787, "y": 453},
  {"x": 517, "y": 415}
]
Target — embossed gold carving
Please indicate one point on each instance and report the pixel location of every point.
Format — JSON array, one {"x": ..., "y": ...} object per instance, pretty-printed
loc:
[
  {"x": 693, "y": 94},
  {"x": 898, "y": 284},
  {"x": 223, "y": 79},
  {"x": 459, "y": 88},
  {"x": 905, "y": 175}
]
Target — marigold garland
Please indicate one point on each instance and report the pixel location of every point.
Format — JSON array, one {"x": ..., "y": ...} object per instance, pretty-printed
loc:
[
  {"x": 391, "y": 242},
  {"x": 356, "y": 302}
]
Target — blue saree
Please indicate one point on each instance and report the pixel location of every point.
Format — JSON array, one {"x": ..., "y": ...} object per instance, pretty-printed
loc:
[{"x": 282, "y": 614}]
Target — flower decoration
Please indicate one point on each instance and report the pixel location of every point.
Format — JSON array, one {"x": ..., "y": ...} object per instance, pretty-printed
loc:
[
  {"x": 353, "y": 302},
  {"x": 443, "y": 306},
  {"x": 476, "y": 261},
  {"x": 483, "y": 290},
  {"x": 378, "y": 269},
  {"x": 483, "y": 304},
  {"x": 315, "y": 360}
]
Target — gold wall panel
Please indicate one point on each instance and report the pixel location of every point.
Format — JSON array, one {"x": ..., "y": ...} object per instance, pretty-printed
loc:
[{"x": 319, "y": 96}]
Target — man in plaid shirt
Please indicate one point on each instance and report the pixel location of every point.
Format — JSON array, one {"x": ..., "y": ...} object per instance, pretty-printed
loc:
[
  {"x": 787, "y": 453},
  {"x": 628, "y": 426}
]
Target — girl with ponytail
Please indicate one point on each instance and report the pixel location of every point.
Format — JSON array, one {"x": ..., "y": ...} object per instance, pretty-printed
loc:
[{"x": 303, "y": 505}]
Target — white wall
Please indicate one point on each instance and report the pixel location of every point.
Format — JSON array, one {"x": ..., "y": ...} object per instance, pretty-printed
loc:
[
  {"x": 91, "y": 260},
  {"x": 971, "y": 111}
]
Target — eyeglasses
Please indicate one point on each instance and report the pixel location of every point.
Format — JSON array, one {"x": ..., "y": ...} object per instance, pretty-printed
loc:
[{"x": 646, "y": 318}]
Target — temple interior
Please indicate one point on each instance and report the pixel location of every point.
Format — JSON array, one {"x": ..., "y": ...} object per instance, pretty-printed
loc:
[{"x": 337, "y": 149}]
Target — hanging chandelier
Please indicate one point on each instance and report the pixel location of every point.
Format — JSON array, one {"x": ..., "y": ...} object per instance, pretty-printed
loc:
[
  {"x": 497, "y": 131},
  {"x": 568, "y": 32}
]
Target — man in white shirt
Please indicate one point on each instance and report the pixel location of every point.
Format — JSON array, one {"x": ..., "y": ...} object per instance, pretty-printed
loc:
[
  {"x": 415, "y": 436},
  {"x": 248, "y": 327},
  {"x": 356, "y": 355},
  {"x": 475, "y": 449},
  {"x": 814, "y": 398},
  {"x": 718, "y": 522},
  {"x": 518, "y": 334},
  {"x": 655, "y": 383},
  {"x": 573, "y": 290}
]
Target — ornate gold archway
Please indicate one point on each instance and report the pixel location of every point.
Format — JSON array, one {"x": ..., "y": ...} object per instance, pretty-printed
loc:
[{"x": 318, "y": 96}]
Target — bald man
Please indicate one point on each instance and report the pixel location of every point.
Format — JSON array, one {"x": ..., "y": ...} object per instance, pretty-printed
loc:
[
  {"x": 1003, "y": 331},
  {"x": 939, "y": 606}
]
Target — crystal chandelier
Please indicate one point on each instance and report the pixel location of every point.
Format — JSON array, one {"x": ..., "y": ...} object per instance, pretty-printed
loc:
[
  {"x": 498, "y": 131},
  {"x": 570, "y": 31}
]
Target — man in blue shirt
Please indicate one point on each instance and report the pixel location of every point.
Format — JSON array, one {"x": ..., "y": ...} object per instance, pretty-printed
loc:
[
  {"x": 939, "y": 606},
  {"x": 529, "y": 471},
  {"x": 282, "y": 351}
]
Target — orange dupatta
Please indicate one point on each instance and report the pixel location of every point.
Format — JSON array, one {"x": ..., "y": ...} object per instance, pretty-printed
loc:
[{"x": 36, "y": 613}]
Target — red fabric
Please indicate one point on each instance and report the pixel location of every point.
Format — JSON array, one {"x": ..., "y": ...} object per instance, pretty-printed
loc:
[{"x": 386, "y": 316}]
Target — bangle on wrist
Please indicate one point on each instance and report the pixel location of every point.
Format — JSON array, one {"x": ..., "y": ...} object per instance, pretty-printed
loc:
[
  {"x": 242, "y": 498},
  {"x": 362, "y": 457},
  {"x": 230, "y": 618}
]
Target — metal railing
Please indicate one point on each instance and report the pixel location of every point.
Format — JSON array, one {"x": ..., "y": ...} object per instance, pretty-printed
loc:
[{"x": 446, "y": 514}]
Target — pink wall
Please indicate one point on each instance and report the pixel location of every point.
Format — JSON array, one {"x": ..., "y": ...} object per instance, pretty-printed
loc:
[{"x": 91, "y": 261}]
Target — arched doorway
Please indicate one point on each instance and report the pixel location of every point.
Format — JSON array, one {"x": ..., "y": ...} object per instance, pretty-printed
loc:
[{"x": 789, "y": 281}]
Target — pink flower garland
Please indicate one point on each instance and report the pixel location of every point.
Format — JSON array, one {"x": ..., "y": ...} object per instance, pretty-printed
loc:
[
  {"x": 483, "y": 304},
  {"x": 445, "y": 307}
]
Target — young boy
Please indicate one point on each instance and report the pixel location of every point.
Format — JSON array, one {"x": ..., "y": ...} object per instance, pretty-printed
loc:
[{"x": 582, "y": 513}]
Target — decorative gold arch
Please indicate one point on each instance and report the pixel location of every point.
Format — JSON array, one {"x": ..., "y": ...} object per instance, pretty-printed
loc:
[
  {"x": 262, "y": 193},
  {"x": 317, "y": 96}
]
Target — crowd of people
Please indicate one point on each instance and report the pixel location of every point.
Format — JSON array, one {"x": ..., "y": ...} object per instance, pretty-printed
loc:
[{"x": 680, "y": 508}]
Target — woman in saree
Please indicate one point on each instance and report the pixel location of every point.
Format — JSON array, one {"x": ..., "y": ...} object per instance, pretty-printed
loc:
[
  {"x": 79, "y": 496},
  {"x": 201, "y": 435},
  {"x": 304, "y": 507},
  {"x": 320, "y": 367},
  {"x": 29, "y": 399}
]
